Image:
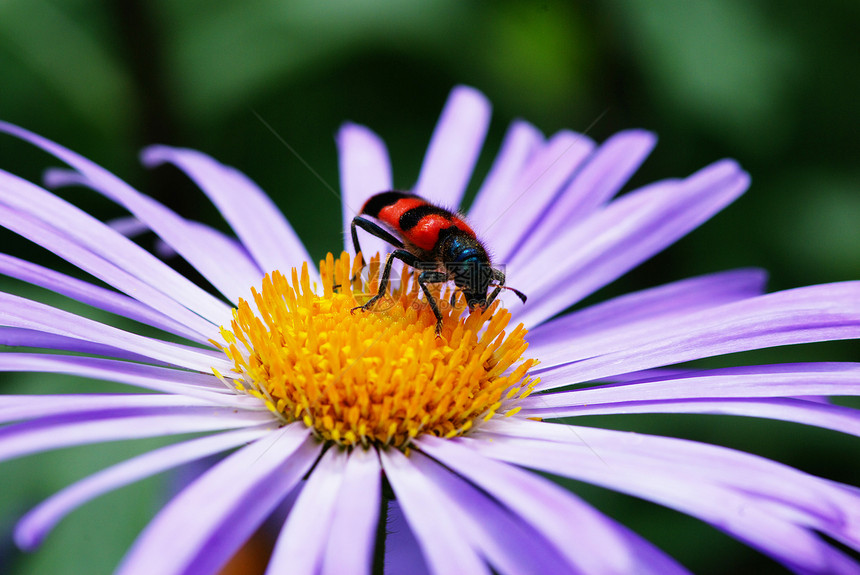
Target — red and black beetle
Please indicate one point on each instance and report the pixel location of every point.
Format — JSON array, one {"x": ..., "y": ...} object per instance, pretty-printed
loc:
[{"x": 435, "y": 241}]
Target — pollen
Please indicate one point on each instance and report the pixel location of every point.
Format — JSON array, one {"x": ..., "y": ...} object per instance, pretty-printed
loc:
[{"x": 377, "y": 376}]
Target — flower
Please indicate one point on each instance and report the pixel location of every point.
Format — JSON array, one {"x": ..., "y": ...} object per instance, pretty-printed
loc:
[{"x": 320, "y": 410}]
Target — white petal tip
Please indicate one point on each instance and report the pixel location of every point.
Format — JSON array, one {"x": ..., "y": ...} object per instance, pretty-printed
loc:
[
  {"x": 466, "y": 94},
  {"x": 28, "y": 539},
  {"x": 59, "y": 177},
  {"x": 155, "y": 155},
  {"x": 350, "y": 130},
  {"x": 639, "y": 138}
]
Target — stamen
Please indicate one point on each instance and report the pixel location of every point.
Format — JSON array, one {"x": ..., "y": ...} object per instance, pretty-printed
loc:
[{"x": 379, "y": 376}]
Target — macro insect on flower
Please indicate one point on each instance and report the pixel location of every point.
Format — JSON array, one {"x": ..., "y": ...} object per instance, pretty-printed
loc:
[
  {"x": 345, "y": 423},
  {"x": 434, "y": 238}
]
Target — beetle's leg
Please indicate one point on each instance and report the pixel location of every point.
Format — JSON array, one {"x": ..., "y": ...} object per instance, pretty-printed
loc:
[
  {"x": 373, "y": 229},
  {"x": 432, "y": 277},
  {"x": 402, "y": 255},
  {"x": 493, "y": 295},
  {"x": 499, "y": 277}
]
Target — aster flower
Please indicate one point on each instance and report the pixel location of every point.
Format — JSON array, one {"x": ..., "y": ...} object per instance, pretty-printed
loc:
[{"x": 318, "y": 410}]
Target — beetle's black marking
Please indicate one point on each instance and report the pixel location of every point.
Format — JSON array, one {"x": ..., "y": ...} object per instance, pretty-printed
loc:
[
  {"x": 375, "y": 204},
  {"x": 410, "y": 218}
]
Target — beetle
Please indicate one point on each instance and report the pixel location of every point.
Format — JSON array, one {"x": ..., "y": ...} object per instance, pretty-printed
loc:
[{"x": 435, "y": 241}]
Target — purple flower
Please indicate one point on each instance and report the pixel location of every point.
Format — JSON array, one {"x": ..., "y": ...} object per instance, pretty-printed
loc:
[{"x": 317, "y": 408}]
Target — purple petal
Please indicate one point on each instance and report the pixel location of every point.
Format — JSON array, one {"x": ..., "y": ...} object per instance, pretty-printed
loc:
[
  {"x": 54, "y": 432},
  {"x": 747, "y": 496},
  {"x": 24, "y": 407},
  {"x": 154, "y": 377},
  {"x": 241, "y": 262},
  {"x": 234, "y": 254},
  {"x": 403, "y": 554},
  {"x": 15, "y": 337},
  {"x": 669, "y": 300},
  {"x": 184, "y": 237},
  {"x": 35, "y": 526},
  {"x": 499, "y": 189},
  {"x": 92, "y": 246},
  {"x": 440, "y": 537},
  {"x": 353, "y": 529},
  {"x": 454, "y": 147},
  {"x": 807, "y": 412},
  {"x": 256, "y": 220},
  {"x": 607, "y": 170},
  {"x": 364, "y": 171},
  {"x": 203, "y": 526},
  {"x": 302, "y": 542},
  {"x": 780, "y": 380},
  {"x": 95, "y": 296},
  {"x": 624, "y": 234},
  {"x": 129, "y": 226},
  {"x": 586, "y": 538},
  {"x": 802, "y": 315},
  {"x": 27, "y": 198},
  {"x": 22, "y": 313},
  {"x": 510, "y": 545},
  {"x": 548, "y": 169}
]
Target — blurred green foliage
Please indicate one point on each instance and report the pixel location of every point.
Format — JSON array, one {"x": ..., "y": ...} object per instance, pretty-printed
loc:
[{"x": 772, "y": 84}]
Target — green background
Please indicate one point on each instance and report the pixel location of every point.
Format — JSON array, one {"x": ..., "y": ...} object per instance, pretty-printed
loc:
[{"x": 773, "y": 84}]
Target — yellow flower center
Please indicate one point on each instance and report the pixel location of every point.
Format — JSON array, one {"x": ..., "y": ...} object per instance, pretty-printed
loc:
[{"x": 378, "y": 376}]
